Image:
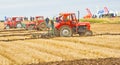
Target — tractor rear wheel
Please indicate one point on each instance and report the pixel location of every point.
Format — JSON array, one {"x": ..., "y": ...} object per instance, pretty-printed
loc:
[
  {"x": 65, "y": 31},
  {"x": 19, "y": 25},
  {"x": 42, "y": 26},
  {"x": 7, "y": 27}
]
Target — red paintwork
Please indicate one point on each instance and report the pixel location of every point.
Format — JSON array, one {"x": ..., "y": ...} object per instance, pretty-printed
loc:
[
  {"x": 31, "y": 23},
  {"x": 12, "y": 22},
  {"x": 71, "y": 23},
  {"x": 84, "y": 23},
  {"x": 38, "y": 20}
]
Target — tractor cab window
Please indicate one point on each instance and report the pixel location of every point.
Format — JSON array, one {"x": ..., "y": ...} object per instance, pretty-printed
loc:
[
  {"x": 60, "y": 18},
  {"x": 8, "y": 19},
  {"x": 73, "y": 17},
  {"x": 67, "y": 18},
  {"x": 18, "y": 19},
  {"x": 70, "y": 18},
  {"x": 40, "y": 18}
]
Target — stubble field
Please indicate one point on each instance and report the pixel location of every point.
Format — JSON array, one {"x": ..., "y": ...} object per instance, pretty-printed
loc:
[{"x": 64, "y": 49}]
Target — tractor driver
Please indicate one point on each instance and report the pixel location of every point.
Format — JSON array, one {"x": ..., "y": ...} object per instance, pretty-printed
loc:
[{"x": 58, "y": 19}]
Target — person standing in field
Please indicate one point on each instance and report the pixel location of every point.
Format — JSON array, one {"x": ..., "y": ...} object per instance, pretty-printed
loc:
[
  {"x": 30, "y": 18},
  {"x": 57, "y": 19},
  {"x": 47, "y": 21}
]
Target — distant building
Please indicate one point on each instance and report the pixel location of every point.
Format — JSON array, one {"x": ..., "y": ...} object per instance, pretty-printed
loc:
[{"x": 118, "y": 14}]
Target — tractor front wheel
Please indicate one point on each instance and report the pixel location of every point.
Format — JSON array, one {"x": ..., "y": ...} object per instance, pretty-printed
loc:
[
  {"x": 65, "y": 31},
  {"x": 88, "y": 33}
]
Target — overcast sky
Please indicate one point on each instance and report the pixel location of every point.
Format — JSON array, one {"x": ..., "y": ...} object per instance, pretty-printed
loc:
[{"x": 50, "y": 8}]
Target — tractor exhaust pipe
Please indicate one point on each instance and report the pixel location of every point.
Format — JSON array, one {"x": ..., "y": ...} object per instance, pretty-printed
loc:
[
  {"x": 78, "y": 15},
  {"x": 78, "y": 21}
]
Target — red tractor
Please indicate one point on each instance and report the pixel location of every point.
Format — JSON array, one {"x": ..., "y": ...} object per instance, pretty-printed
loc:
[
  {"x": 38, "y": 23},
  {"x": 14, "y": 22},
  {"x": 68, "y": 25}
]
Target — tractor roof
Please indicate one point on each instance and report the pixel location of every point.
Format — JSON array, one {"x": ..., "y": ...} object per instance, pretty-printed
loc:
[
  {"x": 65, "y": 14},
  {"x": 39, "y": 16}
]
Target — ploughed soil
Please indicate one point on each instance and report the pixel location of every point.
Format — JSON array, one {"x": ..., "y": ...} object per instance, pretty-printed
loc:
[{"x": 99, "y": 61}]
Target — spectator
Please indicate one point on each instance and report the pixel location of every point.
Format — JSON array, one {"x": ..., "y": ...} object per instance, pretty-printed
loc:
[
  {"x": 30, "y": 18},
  {"x": 33, "y": 18},
  {"x": 57, "y": 19},
  {"x": 47, "y": 21}
]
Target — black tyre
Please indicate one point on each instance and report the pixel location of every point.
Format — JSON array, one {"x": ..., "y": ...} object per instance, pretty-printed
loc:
[
  {"x": 88, "y": 33},
  {"x": 19, "y": 25},
  {"x": 42, "y": 26},
  {"x": 81, "y": 34},
  {"x": 7, "y": 27},
  {"x": 65, "y": 31}
]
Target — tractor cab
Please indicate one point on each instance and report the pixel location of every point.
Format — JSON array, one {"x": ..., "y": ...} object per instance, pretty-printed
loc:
[
  {"x": 39, "y": 19},
  {"x": 66, "y": 19}
]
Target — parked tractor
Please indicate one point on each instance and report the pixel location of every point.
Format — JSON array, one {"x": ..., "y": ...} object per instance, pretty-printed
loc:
[
  {"x": 14, "y": 22},
  {"x": 37, "y": 24},
  {"x": 67, "y": 25}
]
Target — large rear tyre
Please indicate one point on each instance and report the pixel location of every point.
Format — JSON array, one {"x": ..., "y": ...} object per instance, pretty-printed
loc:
[
  {"x": 42, "y": 26},
  {"x": 65, "y": 31},
  {"x": 19, "y": 25},
  {"x": 7, "y": 27}
]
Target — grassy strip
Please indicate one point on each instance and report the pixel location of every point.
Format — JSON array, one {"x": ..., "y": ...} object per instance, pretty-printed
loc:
[{"x": 101, "y": 20}]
